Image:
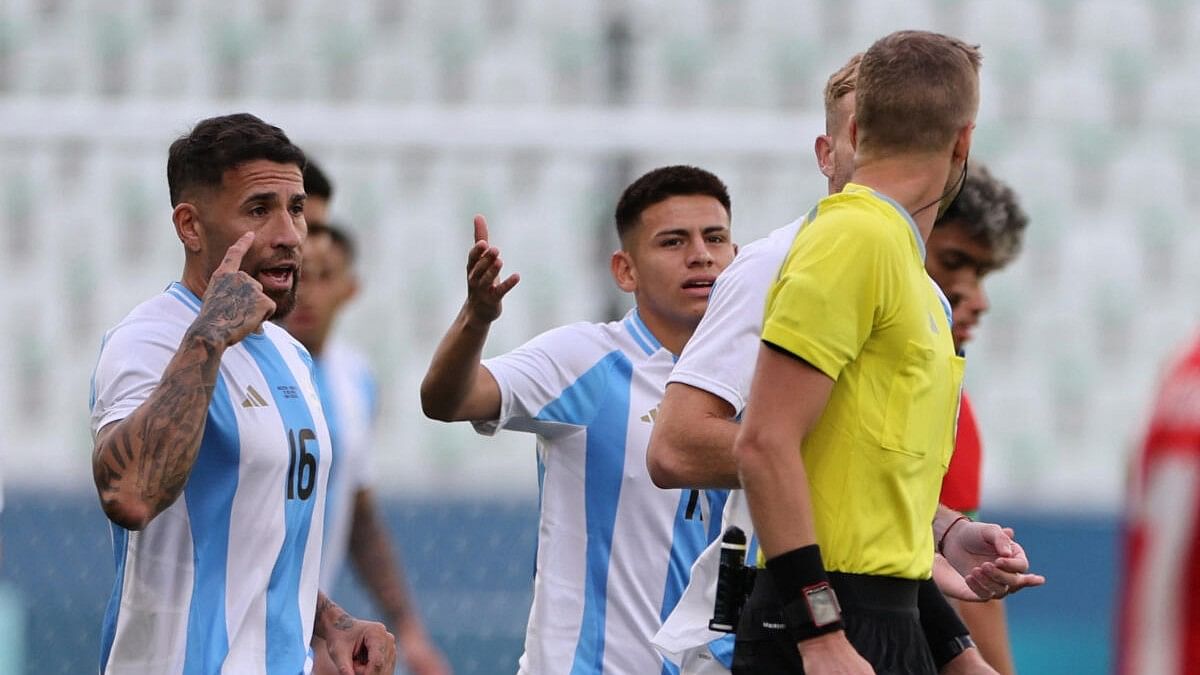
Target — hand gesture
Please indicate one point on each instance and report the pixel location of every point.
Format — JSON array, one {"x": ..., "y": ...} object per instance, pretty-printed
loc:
[
  {"x": 991, "y": 562},
  {"x": 832, "y": 654},
  {"x": 483, "y": 268},
  {"x": 234, "y": 304},
  {"x": 361, "y": 647}
]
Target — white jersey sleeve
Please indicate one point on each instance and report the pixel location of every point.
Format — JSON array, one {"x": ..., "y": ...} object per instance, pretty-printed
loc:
[
  {"x": 132, "y": 360},
  {"x": 719, "y": 358},
  {"x": 538, "y": 372}
]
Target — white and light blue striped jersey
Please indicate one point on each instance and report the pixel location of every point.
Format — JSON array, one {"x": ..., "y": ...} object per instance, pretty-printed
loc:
[
  {"x": 225, "y": 579},
  {"x": 614, "y": 551},
  {"x": 348, "y": 397}
]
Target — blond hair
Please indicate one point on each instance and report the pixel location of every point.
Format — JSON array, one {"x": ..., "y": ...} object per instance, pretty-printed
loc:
[
  {"x": 916, "y": 90},
  {"x": 843, "y": 81}
]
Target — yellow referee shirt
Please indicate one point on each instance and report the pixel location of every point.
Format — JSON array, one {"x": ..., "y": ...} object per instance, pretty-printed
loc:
[{"x": 853, "y": 299}]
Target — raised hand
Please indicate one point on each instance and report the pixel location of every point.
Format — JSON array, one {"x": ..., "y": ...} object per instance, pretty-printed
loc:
[
  {"x": 991, "y": 562},
  {"x": 484, "y": 294},
  {"x": 234, "y": 304}
]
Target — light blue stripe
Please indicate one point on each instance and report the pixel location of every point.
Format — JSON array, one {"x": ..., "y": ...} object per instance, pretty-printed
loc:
[
  {"x": 287, "y": 644},
  {"x": 655, "y": 345},
  {"x": 120, "y": 539},
  {"x": 209, "y": 498},
  {"x": 908, "y": 218},
  {"x": 329, "y": 407},
  {"x": 604, "y": 388},
  {"x": 716, "y": 507},
  {"x": 722, "y": 650},
  {"x": 687, "y": 541},
  {"x": 637, "y": 337},
  {"x": 185, "y": 294}
]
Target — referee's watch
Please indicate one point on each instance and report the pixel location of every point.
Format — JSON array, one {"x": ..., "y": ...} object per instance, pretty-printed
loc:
[{"x": 814, "y": 613}]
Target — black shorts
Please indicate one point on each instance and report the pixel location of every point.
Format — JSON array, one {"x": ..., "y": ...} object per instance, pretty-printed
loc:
[{"x": 882, "y": 623}]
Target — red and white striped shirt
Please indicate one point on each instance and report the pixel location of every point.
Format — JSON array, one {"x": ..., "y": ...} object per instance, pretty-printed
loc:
[{"x": 1159, "y": 622}]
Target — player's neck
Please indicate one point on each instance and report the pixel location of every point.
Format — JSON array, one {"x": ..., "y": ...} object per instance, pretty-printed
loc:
[
  {"x": 195, "y": 280},
  {"x": 913, "y": 181},
  {"x": 670, "y": 335}
]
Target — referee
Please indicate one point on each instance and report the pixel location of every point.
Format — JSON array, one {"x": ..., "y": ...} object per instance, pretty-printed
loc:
[{"x": 858, "y": 372}]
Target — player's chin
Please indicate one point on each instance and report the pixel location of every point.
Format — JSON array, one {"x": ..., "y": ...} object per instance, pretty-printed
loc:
[{"x": 285, "y": 302}]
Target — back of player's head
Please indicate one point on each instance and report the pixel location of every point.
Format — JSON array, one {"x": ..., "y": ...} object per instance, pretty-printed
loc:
[
  {"x": 338, "y": 236},
  {"x": 915, "y": 91},
  {"x": 842, "y": 82},
  {"x": 989, "y": 213},
  {"x": 661, "y": 184},
  {"x": 316, "y": 182},
  {"x": 200, "y": 158}
]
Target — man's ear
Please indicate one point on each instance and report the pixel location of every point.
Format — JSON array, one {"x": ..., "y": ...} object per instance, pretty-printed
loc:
[
  {"x": 188, "y": 226},
  {"x": 962, "y": 143},
  {"x": 623, "y": 271},
  {"x": 823, "y": 149}
]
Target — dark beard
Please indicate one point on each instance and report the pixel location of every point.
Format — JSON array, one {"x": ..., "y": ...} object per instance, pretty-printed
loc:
[{"x": 285, "y": 301}]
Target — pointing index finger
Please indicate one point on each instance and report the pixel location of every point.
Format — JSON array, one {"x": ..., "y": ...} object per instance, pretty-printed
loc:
[
  {"x": 481, "y": 231},
  {"x": 233, "y": 257}
]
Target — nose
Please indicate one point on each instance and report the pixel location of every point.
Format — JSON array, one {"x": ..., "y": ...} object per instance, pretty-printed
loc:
[
  {"x": 976, "y": 300},
  {"x": 285, "y": 231},
  {"x": 699, "y": 255}
]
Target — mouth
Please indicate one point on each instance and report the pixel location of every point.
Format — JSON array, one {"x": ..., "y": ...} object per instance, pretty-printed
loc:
[
  {"x": 699, "y": 286},
  {"x": 277, "y": 278}
]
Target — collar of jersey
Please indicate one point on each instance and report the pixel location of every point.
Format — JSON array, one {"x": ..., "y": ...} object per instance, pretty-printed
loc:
[
  {"x": 855, "y": 187},
  {"x": 641, "y": 334}
]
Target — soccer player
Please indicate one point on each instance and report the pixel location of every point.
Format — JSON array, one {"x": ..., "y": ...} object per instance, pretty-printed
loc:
[
  {"x": 849, "y": 426},
  {"x": 1159, "y": 613},
  {"x": 614, "y": 551},
  {"x": 211, "y": 453},
  {"x": 347, "y": 391},
  {"x": 978, "y": 234},
  {"x": 693, "y": 439}
]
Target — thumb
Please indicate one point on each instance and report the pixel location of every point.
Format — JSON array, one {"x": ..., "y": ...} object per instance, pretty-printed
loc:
[
  {"x": 341, "y": 657},
  {"x": 1001, "y": 541}
]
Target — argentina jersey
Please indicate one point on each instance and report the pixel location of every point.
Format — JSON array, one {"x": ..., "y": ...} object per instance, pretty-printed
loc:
[
  {"x": 225, "y": 579},
  {"x": 614, "y": 551},
  {"x": 348, "y": 397}
]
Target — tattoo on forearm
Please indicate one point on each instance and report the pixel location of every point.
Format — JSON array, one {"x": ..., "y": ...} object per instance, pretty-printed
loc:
[{"x": 156, "y": 447}]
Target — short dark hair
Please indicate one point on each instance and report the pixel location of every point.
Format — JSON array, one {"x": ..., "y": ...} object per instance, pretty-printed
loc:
[
  {"x": 338, "y": 235},
  {"x": 663, "y": 183},
  {"x": 316, "y": 182},
  {"x": 990, "y": 214},
  {"x": 215, "y": 145}
]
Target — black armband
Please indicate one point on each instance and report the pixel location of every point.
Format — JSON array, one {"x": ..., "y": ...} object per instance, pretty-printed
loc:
[{"x": 810, "y": 606}]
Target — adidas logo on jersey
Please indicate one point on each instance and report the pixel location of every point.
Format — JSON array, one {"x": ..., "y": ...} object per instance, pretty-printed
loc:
[
  {"x": 254, "y": 399},
  {"x": 652, "y": 416}
]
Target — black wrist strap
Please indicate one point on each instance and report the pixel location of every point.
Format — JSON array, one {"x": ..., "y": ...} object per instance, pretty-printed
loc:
[{"x": 810, "y": 606}]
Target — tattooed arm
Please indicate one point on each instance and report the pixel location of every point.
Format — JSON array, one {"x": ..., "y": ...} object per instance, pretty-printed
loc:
[
  {"x": 141, "y": 463},
  {"x": 354, "y": 646}
]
